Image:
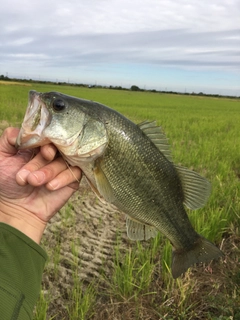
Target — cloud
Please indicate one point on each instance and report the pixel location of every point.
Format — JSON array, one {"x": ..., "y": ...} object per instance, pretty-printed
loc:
[
  {"x": 67, "y": 35},
  {"x": 119, "y": 16},
  {"x": 171, "y": 47}
]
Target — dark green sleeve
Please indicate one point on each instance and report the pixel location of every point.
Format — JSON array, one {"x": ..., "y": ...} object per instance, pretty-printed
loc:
[{"x": 21, "y": 266}]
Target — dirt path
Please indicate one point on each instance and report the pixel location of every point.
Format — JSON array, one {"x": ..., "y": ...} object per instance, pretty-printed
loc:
[{"x": 81, "y": 238}]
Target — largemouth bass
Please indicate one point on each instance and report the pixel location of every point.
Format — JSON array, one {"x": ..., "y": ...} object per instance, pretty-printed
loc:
[{"x": 127, "y": 165}]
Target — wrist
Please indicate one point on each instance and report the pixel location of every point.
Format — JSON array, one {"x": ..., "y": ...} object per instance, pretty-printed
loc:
[{"x": 22, "y": 220}]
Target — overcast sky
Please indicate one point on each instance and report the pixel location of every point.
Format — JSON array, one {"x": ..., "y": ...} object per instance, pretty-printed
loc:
[{"x": 180, "y": 45}]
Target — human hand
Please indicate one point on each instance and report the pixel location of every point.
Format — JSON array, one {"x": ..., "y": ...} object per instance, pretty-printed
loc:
[{"x": 32, "y": 190}]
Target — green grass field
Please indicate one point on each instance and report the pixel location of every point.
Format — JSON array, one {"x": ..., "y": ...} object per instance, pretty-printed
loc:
[{"x": 204, "y": 135}]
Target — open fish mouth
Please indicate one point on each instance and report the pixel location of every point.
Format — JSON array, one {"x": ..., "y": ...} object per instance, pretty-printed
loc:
[
  {"x": 36, "y": 119},
  {"x": 44, "y": 123}
]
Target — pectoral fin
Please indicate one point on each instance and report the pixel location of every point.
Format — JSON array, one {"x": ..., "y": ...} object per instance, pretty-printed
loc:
[
  {"x": 103, "y": 185},
  {"x": 95, "y": 190},
  {"x": 138, "y": 231},
  {"x": 196, "y": 188}
]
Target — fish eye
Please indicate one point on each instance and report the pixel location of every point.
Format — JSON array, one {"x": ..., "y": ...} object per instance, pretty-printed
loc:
[{"x": 58, "y": 105}]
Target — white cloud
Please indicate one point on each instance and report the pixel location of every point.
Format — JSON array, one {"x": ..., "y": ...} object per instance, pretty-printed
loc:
[
  {"x": 111, "y": 16},
  {"x": 184, "y": 34}
]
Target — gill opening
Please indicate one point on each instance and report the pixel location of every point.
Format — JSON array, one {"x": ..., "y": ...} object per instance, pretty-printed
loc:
[{"x": 69, "y": 168}]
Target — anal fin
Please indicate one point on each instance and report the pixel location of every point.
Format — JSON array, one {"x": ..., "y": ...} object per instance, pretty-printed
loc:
[{"x": 139, "y": 231}]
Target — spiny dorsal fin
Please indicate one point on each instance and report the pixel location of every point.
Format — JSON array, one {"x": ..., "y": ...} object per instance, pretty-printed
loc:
[
  {"x": 196, "y": 188},
  {"x": 138, "y": 231},
  {"x": 156, "y": 135}
]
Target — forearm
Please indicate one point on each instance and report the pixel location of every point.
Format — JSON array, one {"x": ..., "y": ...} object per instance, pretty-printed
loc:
[
  {"x": 22, "y": 262},
  {"x": 22, "y": 220}
]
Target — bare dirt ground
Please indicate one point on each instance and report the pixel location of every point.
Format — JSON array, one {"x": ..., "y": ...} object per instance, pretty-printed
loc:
[{"x": 80, "y": 239}]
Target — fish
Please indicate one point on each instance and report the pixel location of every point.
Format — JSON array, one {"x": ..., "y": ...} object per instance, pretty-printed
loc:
[{"x": 128, "y": 165}]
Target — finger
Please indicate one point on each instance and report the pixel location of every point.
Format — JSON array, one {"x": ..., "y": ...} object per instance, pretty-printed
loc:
[
  {"x": 35, "y": 164},
  {"x": 74, "y": 185},
  {"x": 48, "y": 151},
  {"x": 69, "y": 177},
  {"x": 47, "y": 172},
  {"x": 8, "y": 140}
]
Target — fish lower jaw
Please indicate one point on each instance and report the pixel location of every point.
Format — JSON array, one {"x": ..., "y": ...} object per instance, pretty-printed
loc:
[
  {"x": 29, "y": 142},
  {"x": 79, "y": 161}
]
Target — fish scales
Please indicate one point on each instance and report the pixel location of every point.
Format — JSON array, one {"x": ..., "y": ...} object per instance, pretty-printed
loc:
[{"x": 150, "y": 182}]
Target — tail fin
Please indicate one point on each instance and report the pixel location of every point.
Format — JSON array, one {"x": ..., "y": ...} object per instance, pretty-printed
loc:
[{"x": 202, "y": 251}]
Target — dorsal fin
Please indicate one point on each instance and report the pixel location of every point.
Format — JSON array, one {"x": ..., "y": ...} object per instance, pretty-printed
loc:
[
  {"x": 156, "y": 135},
  {"x": 195, "y": 187}
]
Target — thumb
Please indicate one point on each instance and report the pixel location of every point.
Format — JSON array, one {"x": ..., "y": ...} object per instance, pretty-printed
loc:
[{"x": 8, "y": 140}]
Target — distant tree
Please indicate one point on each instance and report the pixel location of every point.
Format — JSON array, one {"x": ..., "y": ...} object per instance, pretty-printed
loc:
[
  {"x": 135, "y": 88},
  {"x": 4, "y": 78}
]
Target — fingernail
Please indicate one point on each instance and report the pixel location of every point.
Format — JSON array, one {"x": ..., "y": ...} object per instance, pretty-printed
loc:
[
  {"x": 40, "y": 176},
  {"x": 54, "y": 184},
  {"x": 23, "y": 175}
]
